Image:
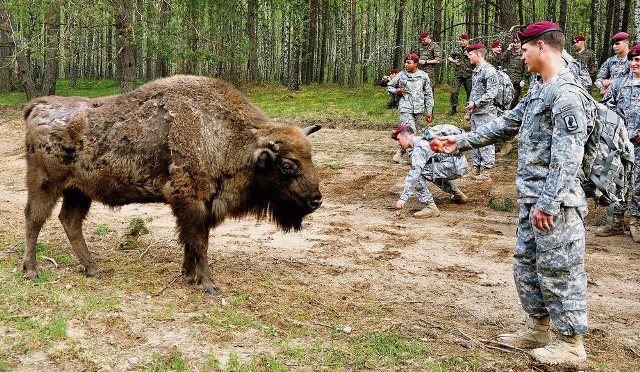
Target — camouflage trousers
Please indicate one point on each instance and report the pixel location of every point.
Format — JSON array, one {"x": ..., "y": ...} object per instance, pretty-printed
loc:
[
  {"x": 635, "y": 190},
  {"x": 548, "y": 268},
  {"x": 412, "y": 120},
  {"x": 455, "y": 89},
  {"x": 422, "y": 191},
  {"x": 485, "y": 156}
]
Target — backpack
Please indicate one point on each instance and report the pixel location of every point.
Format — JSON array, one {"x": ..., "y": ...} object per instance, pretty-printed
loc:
[
  {"x": 448, "y": 166},
  {"x": 608, "y": 157},
  {"x": 505, "y": 90}
]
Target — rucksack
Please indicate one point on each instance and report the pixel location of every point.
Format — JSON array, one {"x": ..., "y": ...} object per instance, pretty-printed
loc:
[
  {"x": 449, "y": 166},
  {"x": 608, "y": 157},
  {"x": 505, "y": 90}
]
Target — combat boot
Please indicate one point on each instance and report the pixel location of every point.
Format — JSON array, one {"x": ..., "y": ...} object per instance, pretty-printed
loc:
[
  {"x": 634, "y": 228},
  {"x": 534, "y": 334},
  {"x": 398, "y": 156},
  {"x": 482, "y": 174},
  {"x": 459, "y": 197},
  {"x": 616, "y": 228},
  {"x": 430, "y": 210},
  {"x": 564, "y": 349},
  {"x": 453, "y": 111}
]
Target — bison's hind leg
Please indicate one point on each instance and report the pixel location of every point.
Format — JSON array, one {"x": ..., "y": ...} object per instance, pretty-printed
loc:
[
  {"x": 41, "y": 199},
  {"x": 75, "y": 206}
]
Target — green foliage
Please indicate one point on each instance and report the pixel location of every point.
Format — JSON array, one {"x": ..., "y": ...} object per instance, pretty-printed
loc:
[
  {"x": 171, "y": 361},
  {"x": 506, "y": 204},
  {"x": 103, "y": 229},
  {"x": 137, "y": 227}
]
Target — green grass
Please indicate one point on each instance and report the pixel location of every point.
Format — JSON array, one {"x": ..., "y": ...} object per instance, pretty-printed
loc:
[
  {"x": 83, "y": 88},
  {"x": 506, "y": 204}
]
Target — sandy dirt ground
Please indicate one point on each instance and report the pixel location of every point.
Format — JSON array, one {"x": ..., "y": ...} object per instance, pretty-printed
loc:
[{"x": 449, "y": 273}]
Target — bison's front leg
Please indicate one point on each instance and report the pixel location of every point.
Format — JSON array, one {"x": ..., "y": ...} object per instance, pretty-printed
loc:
[
  {"x": 40, "y": 202},
  {"x": 75, "y": 206},
  {"x": 194, "y": 234}
]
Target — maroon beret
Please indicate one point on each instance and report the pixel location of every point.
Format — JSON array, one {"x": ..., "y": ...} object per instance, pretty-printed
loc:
[
  {"x": 424, "y": 34},
  {"x": 475, "y": 47},
  {"x": 495, "y": 44},
  {"x": 464, "y": 37},
  {"x": 412, "y": 56},
  {"x": 393, "y": 71},
  {"x": 400, "y": 129},
  {"x": 579, "y": 38},
  {"x": 536, "y": 29},
  {"x": 619, "y": 36},
  {"x": 634, "y": 52}
]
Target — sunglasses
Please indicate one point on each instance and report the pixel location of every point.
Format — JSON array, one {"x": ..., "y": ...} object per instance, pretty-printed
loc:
[{"x": 574, "y": 41}]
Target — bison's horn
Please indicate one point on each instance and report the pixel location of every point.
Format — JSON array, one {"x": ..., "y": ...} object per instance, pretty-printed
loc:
[{"x": 311, "y": 129}]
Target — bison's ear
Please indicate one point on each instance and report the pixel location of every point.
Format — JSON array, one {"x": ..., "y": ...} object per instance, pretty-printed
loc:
[
  {"x": 265, "y": 157},
  {"x": 311, "y": 129}
]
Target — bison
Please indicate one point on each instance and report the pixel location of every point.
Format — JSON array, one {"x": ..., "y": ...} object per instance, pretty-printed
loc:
[{"x": 195, "y": 143}]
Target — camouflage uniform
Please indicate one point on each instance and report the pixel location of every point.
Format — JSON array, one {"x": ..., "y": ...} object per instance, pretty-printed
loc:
[
  {"x": 613, "y": 68},
  {"x": 589, "y": 60},
  {"x": 577, "y": 69},
  {"x": 548, "y": 265},
  {"x": 516, "y": 70},
  {"x": 483, "y": 93},
  {"x": 429, "y": 52},
  {"x": 421, "y": 172},
  {"x": 625, "y": 96},
  {"x": 462, "y": 75},
  {"x": 417, "y": 98},
  {"x": 493, "y": 59}
]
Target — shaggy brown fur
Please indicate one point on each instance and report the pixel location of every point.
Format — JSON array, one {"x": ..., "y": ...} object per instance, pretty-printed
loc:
[{"x": 193, "y": 142}]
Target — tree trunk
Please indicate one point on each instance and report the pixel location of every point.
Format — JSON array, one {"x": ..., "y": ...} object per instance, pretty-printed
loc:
[
  {"x": 397, "y": 52},
  {"x": 354, "y": 54},
  {"x": 604, "y": 53},
  {"x": 325, "y": 40},
  {"x": 52, "y": 46},
  {"x": 626, "y": 15},
  {"x": 562, "y": 20},
  {"x": 367, "y": 47},
  {"x": 636, "y": 20},
  {"x": 313, "y": 41},
  {"x": 252, "y": 36},
  {"x": 24, "y": 71},
  {"x": 286, "y": 54},
  {"x": 125, "y": 68},
  {"x": 437, "y": 20},
  {"x": 507, "y": 14},
  {"x": 5, "y": 54},
  {"x": 551, "y": 11},
  {"x": 162, "y": 62},
  {"x": 294, "y": 71}
]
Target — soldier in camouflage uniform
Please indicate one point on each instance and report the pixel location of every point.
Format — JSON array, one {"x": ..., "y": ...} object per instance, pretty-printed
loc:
[
  {"x": 576, "y": 67},
  {"x": 482, "y": 108},
  {"x": 515, "y": 68},
  {"x": 624, "y": 95},
  {"x": 430, "y": 57},
  {"x": 615, "y": 66},
  {"x": 494, "y": 56},
  {"x": 416, "y": 96},
  {"x": 586, "y": 56},
  {"x": 548, "y": 261},
  {"x": 463, "y": 69},
  {"x": 420, "y": 172}
]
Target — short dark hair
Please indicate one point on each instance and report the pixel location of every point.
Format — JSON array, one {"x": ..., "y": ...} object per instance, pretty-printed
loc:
[{"x": 554, "y": 39}]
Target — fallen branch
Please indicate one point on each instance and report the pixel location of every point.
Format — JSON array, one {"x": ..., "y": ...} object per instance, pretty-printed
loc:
[
  {"x": 51, "y": 260},
  {"x": 167, "y": 286}
]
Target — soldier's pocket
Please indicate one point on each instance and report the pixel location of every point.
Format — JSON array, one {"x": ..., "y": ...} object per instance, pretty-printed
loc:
[{"x": 568, "y": 227}]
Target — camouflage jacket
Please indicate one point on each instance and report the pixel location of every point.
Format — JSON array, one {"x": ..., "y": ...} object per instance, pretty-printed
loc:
[
  {"x": 428, "y": 52},
  {"x": 420, "y": 154},
  {"x": 493, "y": 59},
  {"x": 550, "y": 145},
  {"x": 484, "y": 88},
  {"x": 624, "y": 95},
  {"x": 514, "y": 66},
  {"x": 418, "y": 96},
  {"x": 464, "y": 70},
  {"x": 588, "y": 58},
  {"x": 613, "y": 68}
]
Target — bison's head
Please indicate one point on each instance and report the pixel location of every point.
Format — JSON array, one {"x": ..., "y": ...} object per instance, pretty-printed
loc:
[{"x": 286, "y": 179}]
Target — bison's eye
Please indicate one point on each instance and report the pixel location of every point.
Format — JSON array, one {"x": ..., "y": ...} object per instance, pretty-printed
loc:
[{"x": 288, "y": 167}]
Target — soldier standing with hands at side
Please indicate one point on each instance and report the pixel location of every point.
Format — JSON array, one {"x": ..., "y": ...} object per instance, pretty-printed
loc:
[
  {"x": 548, "y": 261},
  {"x": 463, "y": 68},
  {"x": 517, "y": 71}
]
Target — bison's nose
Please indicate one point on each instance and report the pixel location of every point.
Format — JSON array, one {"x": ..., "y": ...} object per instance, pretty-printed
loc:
[{"x": 315, "y": 202}]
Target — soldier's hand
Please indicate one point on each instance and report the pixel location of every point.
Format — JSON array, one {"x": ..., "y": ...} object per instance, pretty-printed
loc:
[
  {"x": 450, "y": 145},
  {"x": 422, "y": 61},
  {"x": 400, "y": 204},
  {"x": 541, "y": 220},
  {"x": 400, "y": 91},
  {"x": 521, "y": 83}
]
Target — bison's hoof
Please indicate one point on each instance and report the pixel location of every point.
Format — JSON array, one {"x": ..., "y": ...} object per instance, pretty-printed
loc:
[
  {"x": 212, "y": 290},
  {"x": 91, "y": 272},
  {"x": 30, "y": 274}
]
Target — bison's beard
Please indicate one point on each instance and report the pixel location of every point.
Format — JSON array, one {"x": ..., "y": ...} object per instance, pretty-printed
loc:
[{"x": 287, "y": 214}]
